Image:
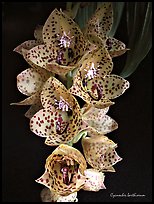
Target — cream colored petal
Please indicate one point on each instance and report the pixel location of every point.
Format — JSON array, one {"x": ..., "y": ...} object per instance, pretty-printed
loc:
[
  {"x": 102, "y": 125},
  {"x": 31, "y": 80},
  {"x": 95, "y": 180}
]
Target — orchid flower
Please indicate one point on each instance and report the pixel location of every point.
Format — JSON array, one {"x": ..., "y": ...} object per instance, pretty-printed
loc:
[
  {"x": 63, "y": 44},
  {"x": 98, "y": 28},
  {"x": 93, "y": 81},
  {"x": 64, "y": 170},
  {"x": 100, "y": 152},
  {"x": 66, "y": 173},
  {"x": 60, "y": 118},
  {"x": 96, "y": 121}
]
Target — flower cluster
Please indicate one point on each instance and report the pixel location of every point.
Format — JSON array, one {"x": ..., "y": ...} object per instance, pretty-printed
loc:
[{"x": 66, "y": 62}]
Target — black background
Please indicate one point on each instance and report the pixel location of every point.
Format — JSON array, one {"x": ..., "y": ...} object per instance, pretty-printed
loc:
[{"x": 24, "y": 153}]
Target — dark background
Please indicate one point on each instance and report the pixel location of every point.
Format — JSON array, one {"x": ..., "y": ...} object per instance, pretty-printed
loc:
[{"x": 24, "y": 154}]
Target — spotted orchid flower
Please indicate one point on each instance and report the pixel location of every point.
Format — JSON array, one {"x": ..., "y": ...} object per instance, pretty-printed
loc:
[
  {"x": 98, "y": 28},
  {"x": 31, "y": 43},
  {"x": 96, "y": 121},
  {"x": 66, "y": 173},
  {"x": 64, "y": 170},
  {"x": 60, "y": 117},
  {"x": 100, "y": 152},
  {"x": 93, "y": 81},
  {"x": 63, "y": 44}
]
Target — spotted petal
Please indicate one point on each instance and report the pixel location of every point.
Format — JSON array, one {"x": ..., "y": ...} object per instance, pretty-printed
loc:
[
  {"x": 101, "y": 22},
  {"x": 95, "y": 180},
  {"x": 48, "y": 122},
  {"x": 40, "y": 55},
  {"x": 115, "y": 47},
  {"x": 31, "y": 80},
  {"x": 100, "y": 152},
  {"x": 45, "y": 179},
  {"x": 26, "y": 45},
  {"x": 114, "y": 86}
]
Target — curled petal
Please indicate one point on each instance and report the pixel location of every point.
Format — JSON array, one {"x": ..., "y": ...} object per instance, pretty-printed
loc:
[
  {"x": 35, "y": 98},
  {"x": 26, "y": 45},
  {"x": 100, "y": 152},
  {"x": 31, "y": 80},
  {"x": 101, "y": 22},
  {"x": 115, "y": 47},
  {"x": 51, "y": 196},
  {"x": 95, "y": 180}
]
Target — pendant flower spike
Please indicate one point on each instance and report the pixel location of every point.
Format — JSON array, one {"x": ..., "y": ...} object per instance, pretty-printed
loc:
[
  {"x": 60, "y": 118},
  {"x": 98, "y": 28},
  {"x": 63, "y": 46},
  {"x": 55, "y": 114}
]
